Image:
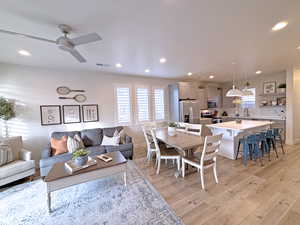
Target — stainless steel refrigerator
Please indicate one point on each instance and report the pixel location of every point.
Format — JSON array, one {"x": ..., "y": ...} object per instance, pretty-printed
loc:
[{"x": 189, "y": 111}]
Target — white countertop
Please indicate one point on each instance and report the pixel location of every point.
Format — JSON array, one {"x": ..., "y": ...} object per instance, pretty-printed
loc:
[{"x": 245, "y": 125}]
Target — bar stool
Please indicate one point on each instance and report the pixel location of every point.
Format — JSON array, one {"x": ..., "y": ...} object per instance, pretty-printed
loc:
[
  {"x": 271, "y": 141},
  {"x": 277, "y": 136},
  {"x": 254, "y": 143},
  {"x": 246, "y": 150}
]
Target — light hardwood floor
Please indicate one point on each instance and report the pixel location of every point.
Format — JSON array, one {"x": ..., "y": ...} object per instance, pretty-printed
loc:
[{"x": 268, "y": 195}]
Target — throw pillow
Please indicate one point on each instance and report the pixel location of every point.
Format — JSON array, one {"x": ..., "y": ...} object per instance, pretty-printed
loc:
[
  {"x": 120, "y": 134},
  {"x": 59, "y": 146},
  {"x": 6, "y": 154},
  {"x": 74, "y": 144},
  {"x": 110, "y": 140}
]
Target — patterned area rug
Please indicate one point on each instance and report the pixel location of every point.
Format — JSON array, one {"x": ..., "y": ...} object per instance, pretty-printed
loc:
[{"x": 105, "y": 201}]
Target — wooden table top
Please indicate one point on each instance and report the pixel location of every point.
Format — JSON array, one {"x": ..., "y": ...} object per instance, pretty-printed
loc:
[
  {"x": 59, "y": 171},
  {"x": 182, "y": 141}
]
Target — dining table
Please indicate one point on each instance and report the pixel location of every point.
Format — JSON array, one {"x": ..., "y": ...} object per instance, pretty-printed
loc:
[
  {"x": 182, "y": 141},
  {"x": 185, "y": 143}
]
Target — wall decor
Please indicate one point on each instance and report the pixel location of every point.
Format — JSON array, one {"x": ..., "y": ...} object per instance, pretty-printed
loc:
[
  {"x": 90, "y": 113},
  {"x": 269, "y": 87},
  {"x": 50, "y": 115},
  {"x": 71, "y": 114},
  {"x": 65, "y": 90},
  {"x": 78, "y": 98}
]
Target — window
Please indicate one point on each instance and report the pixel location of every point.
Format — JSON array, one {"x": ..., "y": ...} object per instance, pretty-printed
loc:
[
  {"x": 248, "y": 101},
  {"x": 142, "y": 104},
  {"x": 159, "y": 104},
  {"x": 123, "y": 104}
]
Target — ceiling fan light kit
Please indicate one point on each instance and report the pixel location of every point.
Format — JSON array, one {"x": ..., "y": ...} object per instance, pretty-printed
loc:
[{"x": 64, "y": 42}]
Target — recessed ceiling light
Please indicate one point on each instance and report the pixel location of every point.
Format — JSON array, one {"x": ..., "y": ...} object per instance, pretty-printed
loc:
[
  {"x": 298, "y": 48},
  {"x": 211, "y": 77},
  {"x": 147, "y": 71},
  {"x": 163, "y": 60},
  {"x": 24, "y": 52},
  {"x": 119, "y": 65},
  {"x": 190, "y": 74},
  {"x": 258, "y": 72},
  {"x": 280, "y": 26}
]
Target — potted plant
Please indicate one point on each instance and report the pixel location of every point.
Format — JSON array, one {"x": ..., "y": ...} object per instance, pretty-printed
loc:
[
  {"x": 80, "y": 157},
  {"x": 6, "y": 112},
  {"x": 281, "y": 88},
  {"x": 172, "y": 129}
]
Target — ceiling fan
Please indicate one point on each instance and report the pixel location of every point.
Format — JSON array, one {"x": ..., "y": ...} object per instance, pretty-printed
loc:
[{"x": 64, "y": 42}]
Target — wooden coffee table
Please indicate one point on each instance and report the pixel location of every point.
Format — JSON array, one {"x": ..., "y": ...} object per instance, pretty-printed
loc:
[{"x": 59, "y": 177}]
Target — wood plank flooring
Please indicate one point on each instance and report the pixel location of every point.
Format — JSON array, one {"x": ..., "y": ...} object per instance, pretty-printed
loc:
[{"x": 268, "y": 195}]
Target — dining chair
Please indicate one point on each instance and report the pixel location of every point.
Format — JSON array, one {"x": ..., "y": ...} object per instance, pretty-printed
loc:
[
  {"x": 162, "y": 152},
  {"x": 149, "y": 142},
  {"x": 207, "y": 159},
  {"x": 195, "y": 129}
]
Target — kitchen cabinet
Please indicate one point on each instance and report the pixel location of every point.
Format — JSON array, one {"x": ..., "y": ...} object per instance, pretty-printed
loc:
[
  {"x": 202, "y": 98},
  {"x": 214, "y": 94},
  {"x": 187, "y": 90}
]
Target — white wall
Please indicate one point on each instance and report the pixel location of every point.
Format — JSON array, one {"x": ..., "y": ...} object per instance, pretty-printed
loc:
[{"x": 31, "y": 87}]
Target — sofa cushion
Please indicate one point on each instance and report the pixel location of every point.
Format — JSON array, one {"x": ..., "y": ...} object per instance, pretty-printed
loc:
[
  {"x": 92, "y": 137},
  {"x": 59, "y": 135},
  {"x": 109, "y": 131},
  {"x": 74, "y": 144},
  {"x": 59, "y": 146},
  {"x": 96, "y": 150},
  {"x": 55, "y": 159},
  {"x": 15, "y": 167}
]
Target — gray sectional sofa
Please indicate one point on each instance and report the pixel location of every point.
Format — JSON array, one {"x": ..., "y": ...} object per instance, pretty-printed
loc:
[{"x": 92, "y": 139}]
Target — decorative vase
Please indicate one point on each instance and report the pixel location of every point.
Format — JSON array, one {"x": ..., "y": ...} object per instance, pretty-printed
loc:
[
  {"x": 81, "y": 160},
  {"x": 171, "y": 131}
]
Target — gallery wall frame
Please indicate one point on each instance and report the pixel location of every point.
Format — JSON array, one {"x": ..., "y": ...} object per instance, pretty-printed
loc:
[{"x": 50, "y": 115}]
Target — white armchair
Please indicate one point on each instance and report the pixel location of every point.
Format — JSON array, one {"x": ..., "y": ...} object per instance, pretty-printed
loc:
[{"x": 21, "y": 167}]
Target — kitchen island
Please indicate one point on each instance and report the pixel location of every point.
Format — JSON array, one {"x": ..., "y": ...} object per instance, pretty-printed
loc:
[{"x": 233, "y": 131}]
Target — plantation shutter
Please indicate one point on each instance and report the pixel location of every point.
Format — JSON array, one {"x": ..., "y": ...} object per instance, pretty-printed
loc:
[
  {"x": 142, "y": 101},
  {"x": 159, "y": 104},
  {"x": 123, "y": 104}
]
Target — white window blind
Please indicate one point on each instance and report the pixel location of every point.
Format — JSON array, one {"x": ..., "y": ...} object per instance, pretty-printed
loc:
[
  {"x": 249, "y": 101},
  {"x": 142, "y": 101},
  {"x": 159, "y": 104},
  {"x": 123, "y": 104}
]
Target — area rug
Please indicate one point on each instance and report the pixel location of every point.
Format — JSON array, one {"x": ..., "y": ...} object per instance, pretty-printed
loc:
[{"x": 103, "y": 202}]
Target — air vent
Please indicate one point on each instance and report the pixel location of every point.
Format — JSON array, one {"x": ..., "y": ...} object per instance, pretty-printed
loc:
[{"x": 103, "y": 65}]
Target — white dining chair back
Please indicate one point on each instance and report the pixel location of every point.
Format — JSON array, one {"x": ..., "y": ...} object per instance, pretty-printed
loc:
[
  {"x": 210, "y": 150},
  {"x": 207, "y": 159},
  {"x": 149, "y": 142},
  {"x": 166, "y": 153},
  {"x": 195, "y": 129}
]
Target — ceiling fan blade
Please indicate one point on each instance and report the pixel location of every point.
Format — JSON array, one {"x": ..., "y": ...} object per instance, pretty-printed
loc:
[
  {"x": 77, "y": 55},
  {"x": 84, "y": 39},
  {"x": 26, "y": 35}
]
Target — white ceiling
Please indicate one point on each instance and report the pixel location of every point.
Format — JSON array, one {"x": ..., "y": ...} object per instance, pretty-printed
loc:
[{"x": 199, "y": 36}]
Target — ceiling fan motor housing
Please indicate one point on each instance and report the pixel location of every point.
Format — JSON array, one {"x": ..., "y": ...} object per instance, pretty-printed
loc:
[{"x": 64, "y": 43}]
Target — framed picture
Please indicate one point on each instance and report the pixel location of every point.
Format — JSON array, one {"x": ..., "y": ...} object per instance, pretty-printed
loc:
[
  {"x": 71, "y": 114},
  {"x": 50, "y": 115},
  {"x": 90, "y": 113},
  {"x": 269, "y": 87}
]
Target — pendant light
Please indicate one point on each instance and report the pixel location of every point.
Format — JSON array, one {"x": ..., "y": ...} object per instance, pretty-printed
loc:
[
  {"x": 234, "y": 92},
  {"x": 246, "y": 90}
]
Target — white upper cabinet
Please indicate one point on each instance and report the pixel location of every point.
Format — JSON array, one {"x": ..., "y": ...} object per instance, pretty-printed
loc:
[{"x": 187, "y": 90}]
